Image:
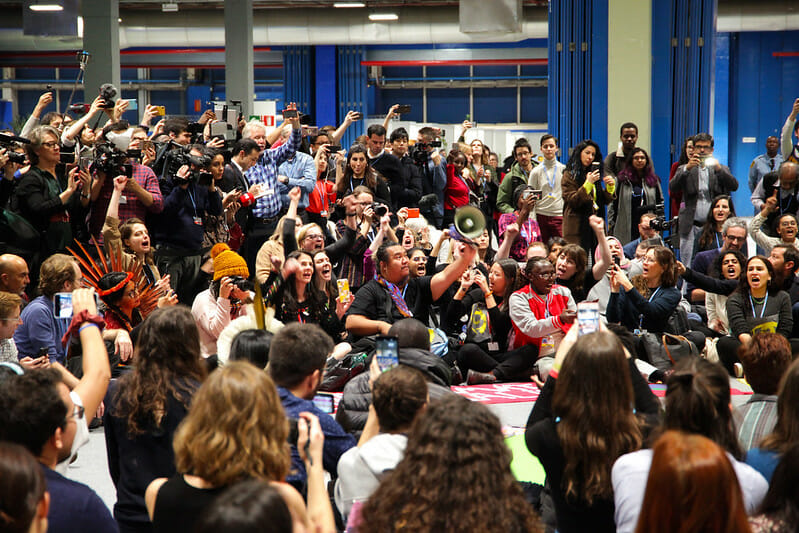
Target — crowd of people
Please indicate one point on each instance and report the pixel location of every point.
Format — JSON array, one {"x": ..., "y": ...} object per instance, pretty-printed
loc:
[{"x": 194, "y": 293}]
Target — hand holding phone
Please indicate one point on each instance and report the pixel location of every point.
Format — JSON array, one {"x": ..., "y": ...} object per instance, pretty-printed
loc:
[
  {"x": 387, "y": 352},
  {"x": 588, "y": 317}
]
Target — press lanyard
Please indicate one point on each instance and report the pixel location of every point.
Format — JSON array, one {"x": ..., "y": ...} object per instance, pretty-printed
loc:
[
  {"x": 716, "y": 235},
  {"x": 546, "y": 306},
  {"x": 193, "y": 205},
  {"x": 352, "y": 187},
  {"x": 322, "y": 194},
  {"x": 551, "y": 182},
  {"x": 762, "y": 311},
  {"x": 641, "y": 316}
]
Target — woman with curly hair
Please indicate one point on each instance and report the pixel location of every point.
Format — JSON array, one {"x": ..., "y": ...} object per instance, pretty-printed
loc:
[
  {"x": 236, "y": 430},
  {"x": 712, "y": 237},
  {"x": 757, "y": 305},
  {"x": 145, "y": 406},
  {"x": 584, "y": 195},
  {"x": 637, "y": 186},
  {"x": 455, "y": 476},
  {"x": 648, "y": 300},
  {"x": 576, "y": 437}
]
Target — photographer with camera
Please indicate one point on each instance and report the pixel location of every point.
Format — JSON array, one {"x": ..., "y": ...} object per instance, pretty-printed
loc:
[
  {"x": 142, "y": 193},
  {"x": 53, "y": 118},
  {"x": 179, "y": 228},
  {"x": 45, "y": 200},
  {"x": 12, "y": 158},
  {"x": 434, "y": 175},
  {"x": 79, "y": 134}
]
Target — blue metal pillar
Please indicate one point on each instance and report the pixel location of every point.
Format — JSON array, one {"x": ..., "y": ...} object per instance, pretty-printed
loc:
[
  {"x": 683, "y": 54},
  {"x": 351, "y": 89},
  {"x": 298, "y": 76},
  {"x": 578, "y": 74},
  {"x": 325, "y": 86}
]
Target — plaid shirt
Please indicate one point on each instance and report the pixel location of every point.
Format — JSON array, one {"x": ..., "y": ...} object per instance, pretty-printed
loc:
[
  {"x": 265, "y": 172},
  {"x": 132, "y": 206}
]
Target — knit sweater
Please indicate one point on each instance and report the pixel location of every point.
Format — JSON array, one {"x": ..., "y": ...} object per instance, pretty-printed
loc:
[{"x": 743, "y": 320}]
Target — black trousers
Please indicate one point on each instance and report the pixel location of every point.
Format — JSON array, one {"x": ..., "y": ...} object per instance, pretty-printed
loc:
[{"x": 513, "y": 365}]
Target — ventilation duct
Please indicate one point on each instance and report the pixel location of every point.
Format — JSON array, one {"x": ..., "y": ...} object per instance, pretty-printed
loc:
[{"x": 494, "y": 17}]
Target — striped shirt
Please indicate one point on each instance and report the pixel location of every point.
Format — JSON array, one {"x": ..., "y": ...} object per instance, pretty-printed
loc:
[{"x": 755, "y": 419}]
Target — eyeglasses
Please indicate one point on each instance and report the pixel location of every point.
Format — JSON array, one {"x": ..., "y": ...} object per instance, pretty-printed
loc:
[
  {"x": 51, "y": 144},
  {"x": 314, "y": 237},
  {"x": 549, "y": 274},
  {"x": 734, "y": 238},
  {"x": 12, "y": 319}
]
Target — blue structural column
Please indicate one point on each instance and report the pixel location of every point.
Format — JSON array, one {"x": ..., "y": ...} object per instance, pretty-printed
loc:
[
  {"x": 325, "y": 87},
  {"x": 298, "y": 75},
  {"x": 351, "y": 88},
  {"x": 578, "y": 74},
  {"x": 683, "y": 50}
]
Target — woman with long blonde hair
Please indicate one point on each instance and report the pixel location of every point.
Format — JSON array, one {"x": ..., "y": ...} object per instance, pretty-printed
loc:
[{"x": 236, "y": 430}]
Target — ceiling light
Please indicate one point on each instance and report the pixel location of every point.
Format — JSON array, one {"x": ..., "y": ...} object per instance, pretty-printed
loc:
[
  {"x": 169, "y": 7},
  {"x": 383, "y": 16},
  {"x": 46, "y": 7},
  {"x": 349, "y": 4}
]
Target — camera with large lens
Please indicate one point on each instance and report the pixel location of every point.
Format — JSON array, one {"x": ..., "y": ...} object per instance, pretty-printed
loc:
[
  {"x": 12, "y": 143},
  {"x": 112, "y": 161},
  {"x": 379, "y": 209},
  {"x": 182, "y": 156},
  {"x": 420, "y": 152}
]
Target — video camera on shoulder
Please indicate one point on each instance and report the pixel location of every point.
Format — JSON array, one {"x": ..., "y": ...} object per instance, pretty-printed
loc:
[
  {"x": 112, "y": 161},
  {"x": 420, "y": 152},
  {"x": 183, "y": 156}
]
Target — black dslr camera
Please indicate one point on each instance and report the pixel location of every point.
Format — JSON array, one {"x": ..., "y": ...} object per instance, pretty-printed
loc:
[{"x": 108, "y": 93}]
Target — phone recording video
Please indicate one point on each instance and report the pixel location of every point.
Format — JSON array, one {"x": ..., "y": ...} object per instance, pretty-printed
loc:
[
  {"x": 387, "y": 352},
  {"x": 588, "y": 317},
  {"x": 324, "y": 402}
]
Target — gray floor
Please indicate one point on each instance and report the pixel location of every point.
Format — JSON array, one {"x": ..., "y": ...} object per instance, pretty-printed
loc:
[{"x": 91, "y": 468}]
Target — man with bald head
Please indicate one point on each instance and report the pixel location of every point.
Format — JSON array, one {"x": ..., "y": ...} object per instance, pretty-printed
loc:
[
  {"x": 14, "y": 275},
  {"x": 783, "y": 186}
]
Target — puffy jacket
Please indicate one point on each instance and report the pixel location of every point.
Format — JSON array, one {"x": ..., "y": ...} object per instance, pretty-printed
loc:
[{"x": 354, "y": 406}]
